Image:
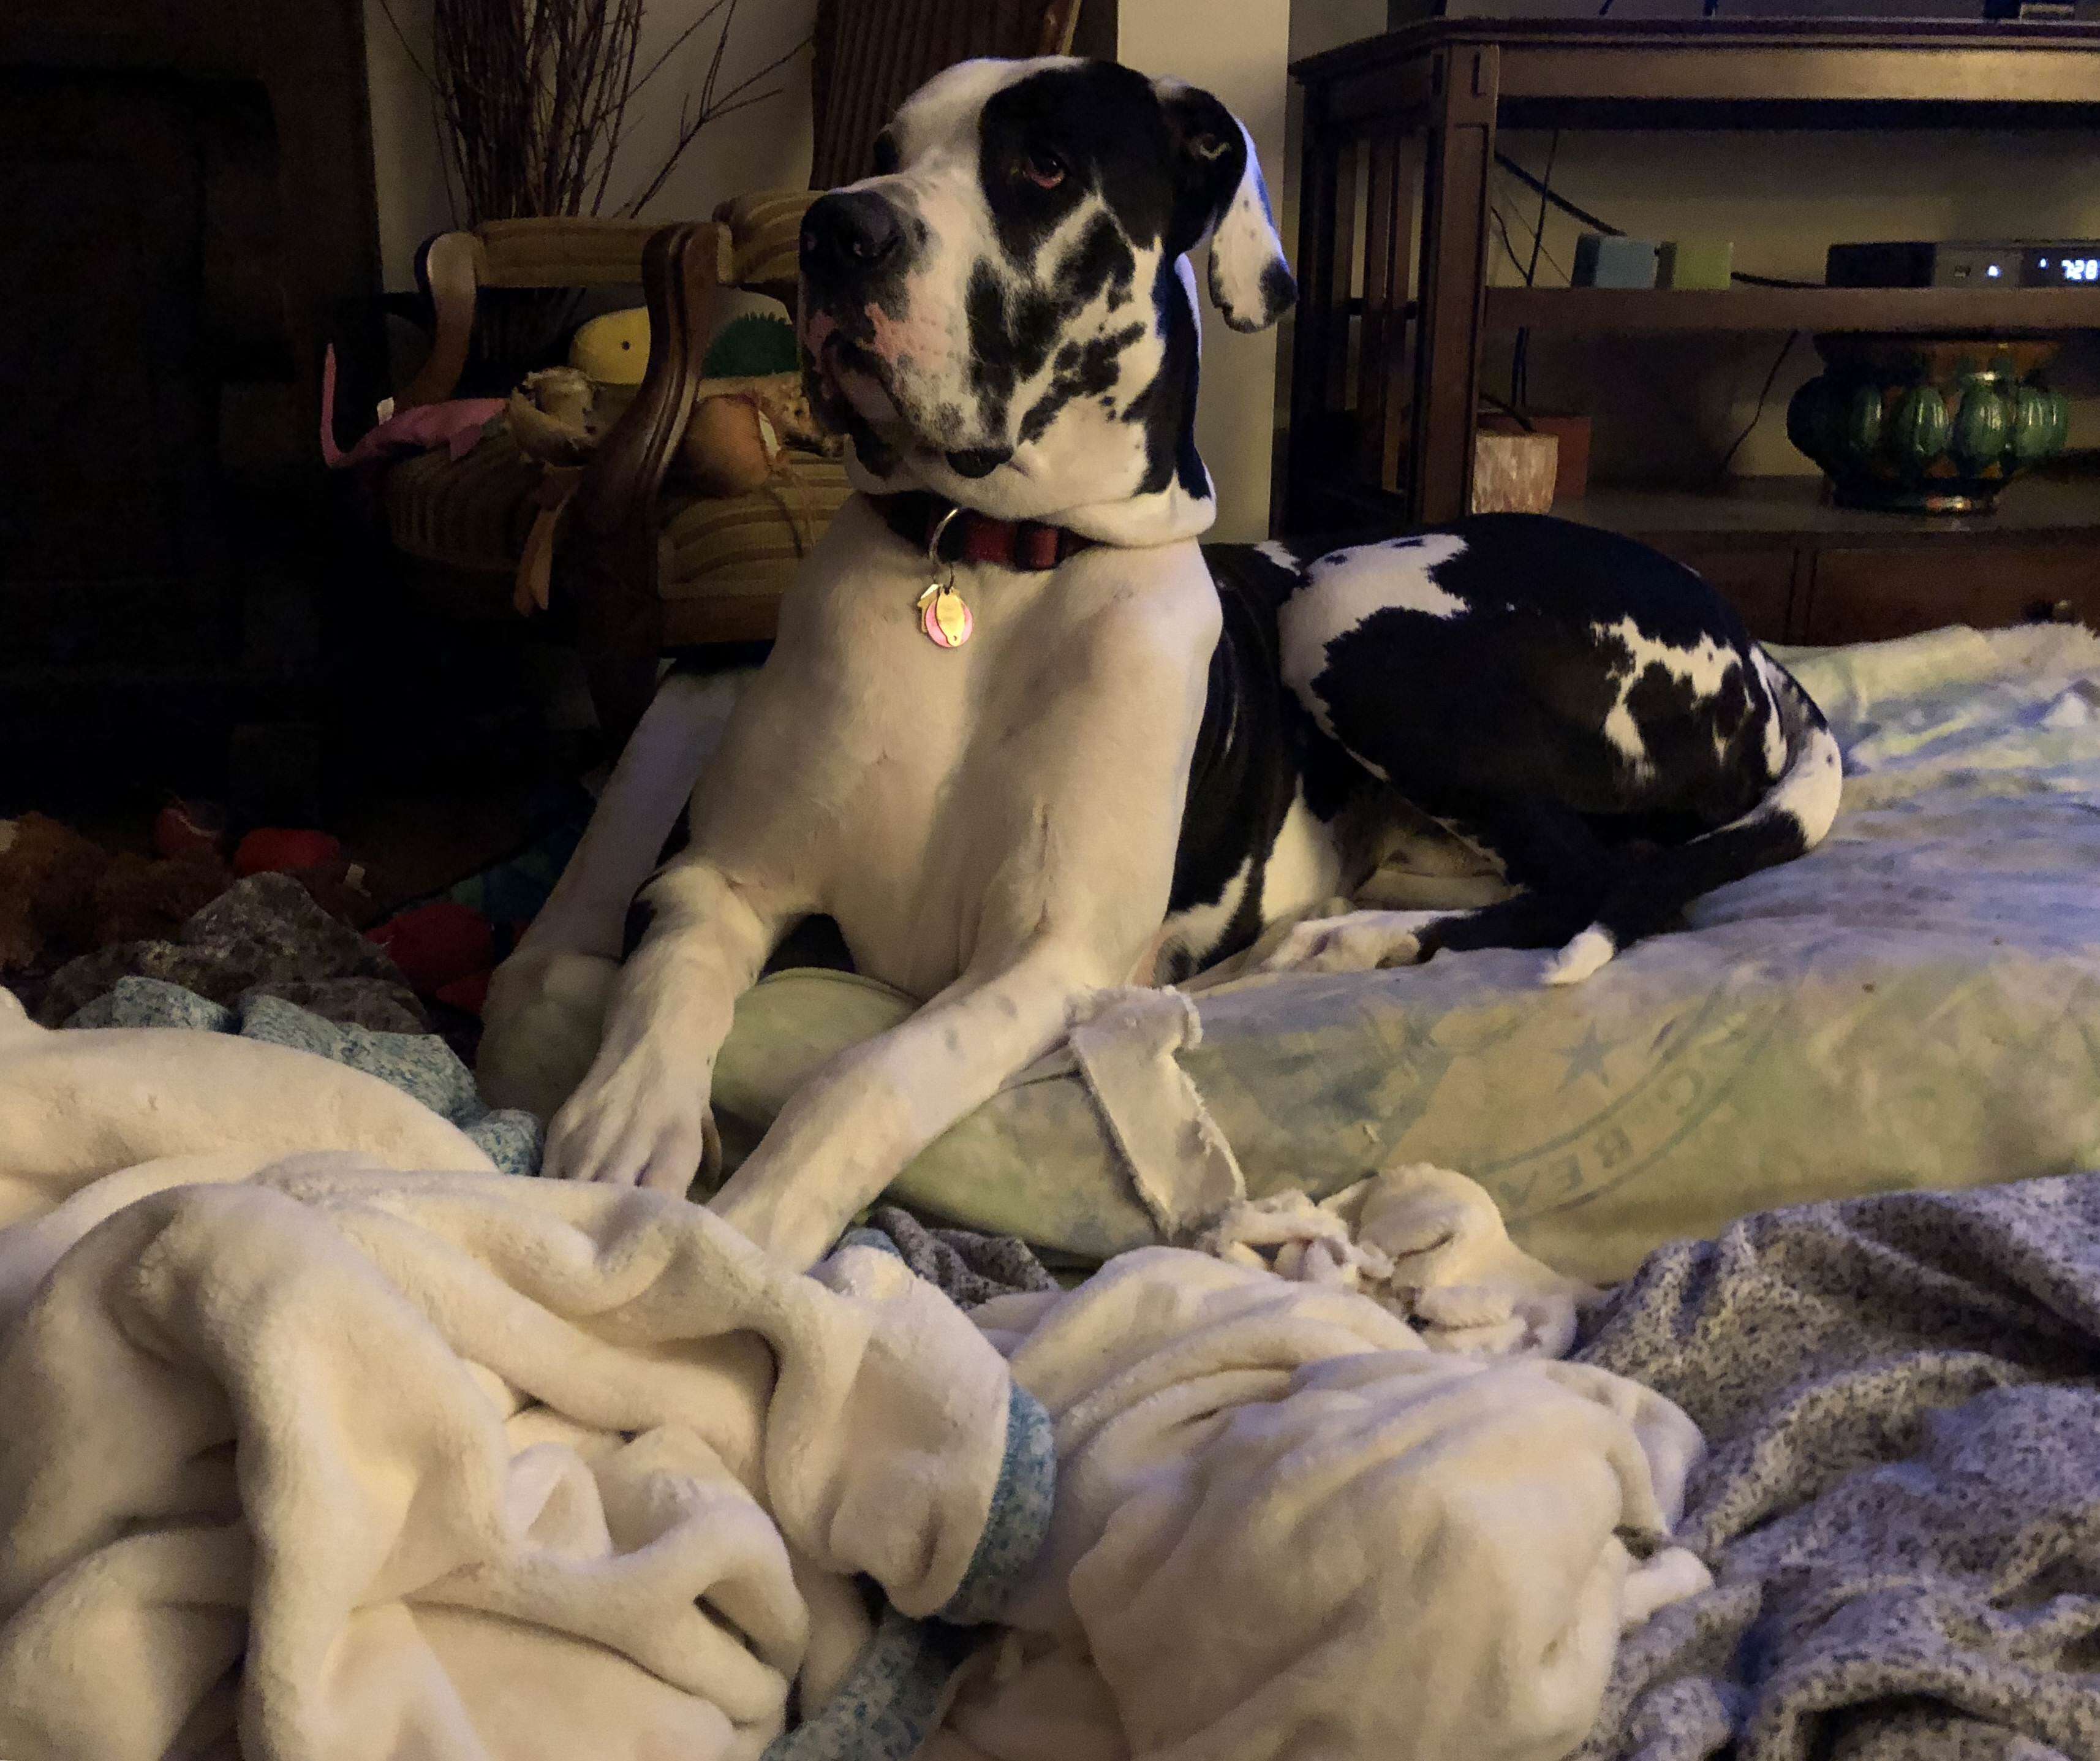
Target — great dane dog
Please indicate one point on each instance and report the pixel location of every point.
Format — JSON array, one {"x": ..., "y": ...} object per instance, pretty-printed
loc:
[{"x": 1023, "y": 738}]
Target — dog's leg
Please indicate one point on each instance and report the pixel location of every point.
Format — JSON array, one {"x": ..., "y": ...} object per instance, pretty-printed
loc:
[
  {"x": 640, "y": 1114},
  {"x": 1546, "y": 849},
  {"x": 854, "y": 1126},
  {"x": 1360, "y": 941},
  {"x": 546, "y": 1003}
]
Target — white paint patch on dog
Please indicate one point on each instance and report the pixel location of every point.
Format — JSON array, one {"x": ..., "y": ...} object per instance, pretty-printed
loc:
[
  {"x": 1279, "y": 554},
  {"x": 1303, "y": 867},
  {"x": 1343, "y": 589},
  {"x": 1778, "y": 685},
  {"x": 1705, "y": 667},
  {"x": 1588, "y": 953},
  {"x": 1359, "y": 940},
  {"x": 1809, "y": 790},
  {"x": 1199, "y": 929}
]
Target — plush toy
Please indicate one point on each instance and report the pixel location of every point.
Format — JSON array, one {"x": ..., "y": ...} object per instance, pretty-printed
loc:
[
  {"x": 63, "y": 894},
  {"x": 44, "y": 865},
  {"x": 558, "y": 415},
  {"x": 189, "y": 828},
  {"x": 455, "y": 425},
  {"x": 438, "y": 944},
  {"x": 751, "y": 345},
  {"x": 140, "y": 898},
  {"x": 732, "y": 443},
  {"x": 276, "y": 850},
  {"x": 613, "y": 348}
]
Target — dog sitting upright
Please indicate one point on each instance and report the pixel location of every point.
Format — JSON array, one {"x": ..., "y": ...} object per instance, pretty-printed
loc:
[{"x": 1022, "y": 739}]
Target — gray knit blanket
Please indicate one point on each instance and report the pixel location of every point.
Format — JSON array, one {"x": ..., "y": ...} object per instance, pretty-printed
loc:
[{"x": 1901, "y": 1505}]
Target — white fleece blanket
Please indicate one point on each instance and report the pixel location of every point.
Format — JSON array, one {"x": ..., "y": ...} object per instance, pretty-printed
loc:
[
  {"x": 1284, "y": 1528},
  {"x": 308, "y": 1458}
]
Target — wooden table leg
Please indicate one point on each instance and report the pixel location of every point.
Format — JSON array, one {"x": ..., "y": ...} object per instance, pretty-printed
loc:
[
  {"x": 1384, "y": 383},
  {"x": 1461, "y": 150},
  {"x": 1326, "y": 261}
]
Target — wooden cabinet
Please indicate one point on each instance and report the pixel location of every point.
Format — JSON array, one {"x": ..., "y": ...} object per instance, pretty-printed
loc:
[
  {"x": 1866, "y": 595},
  {"x": 1758, "y": 583},
  {"x": 1800, "y": 569}
]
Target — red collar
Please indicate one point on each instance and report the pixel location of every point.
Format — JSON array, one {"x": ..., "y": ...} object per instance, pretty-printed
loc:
[{"x": 916, "y": 515}]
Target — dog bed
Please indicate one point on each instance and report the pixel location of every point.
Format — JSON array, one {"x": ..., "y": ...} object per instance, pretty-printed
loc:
[{"x": 1916, "y": 1004}]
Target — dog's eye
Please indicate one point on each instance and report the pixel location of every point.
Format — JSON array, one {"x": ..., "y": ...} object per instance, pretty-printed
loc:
[
  {"x": 1043, "y": 168},
  {"x": 885, "y": 153}
]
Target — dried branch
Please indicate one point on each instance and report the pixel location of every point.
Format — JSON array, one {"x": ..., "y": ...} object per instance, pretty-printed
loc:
[{"x": 532, "y": 99}]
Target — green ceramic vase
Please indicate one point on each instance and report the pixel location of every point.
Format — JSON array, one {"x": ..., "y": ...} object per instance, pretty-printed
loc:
[{"x": 1921, "y": 426}]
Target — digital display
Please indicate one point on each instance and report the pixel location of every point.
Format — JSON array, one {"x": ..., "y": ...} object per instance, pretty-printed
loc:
[{"x": 2077, "y": 269}]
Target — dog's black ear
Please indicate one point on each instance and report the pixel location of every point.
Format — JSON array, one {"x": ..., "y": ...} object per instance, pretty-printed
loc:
[{"x": 1219, "y": 191}]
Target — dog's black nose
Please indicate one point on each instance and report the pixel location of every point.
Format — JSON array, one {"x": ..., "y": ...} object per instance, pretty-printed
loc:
[{"x": 845, "y": 236}]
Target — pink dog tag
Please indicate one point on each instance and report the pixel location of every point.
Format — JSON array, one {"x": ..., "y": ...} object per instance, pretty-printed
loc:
[{"x": 945, "y": 618}]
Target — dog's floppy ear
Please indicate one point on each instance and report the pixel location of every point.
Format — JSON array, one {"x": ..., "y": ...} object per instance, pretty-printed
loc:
[{"x": 1219, "y": 191}]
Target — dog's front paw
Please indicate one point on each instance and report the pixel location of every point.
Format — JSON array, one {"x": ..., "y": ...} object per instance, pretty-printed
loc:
[
  {"x": 640, "y": 1122},
  {"x": 1357, "y": 942}
]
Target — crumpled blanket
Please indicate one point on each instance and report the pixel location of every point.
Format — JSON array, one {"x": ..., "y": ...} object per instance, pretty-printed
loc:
[
  {"x": 264, "y": 936},
  {"x": 1902, "y": 1504},
  {"x": 1283, "y": 1529},
  {"x": 360, "y": 1464},
  {"x": 419, "y": 1065},
  {"x": 965, "y": 1266},
  {"x": 1424, "y": 1242},
  {"x": 357, "y": 1462}
]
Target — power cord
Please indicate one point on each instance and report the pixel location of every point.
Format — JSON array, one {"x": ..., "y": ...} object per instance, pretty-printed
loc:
[
  {"x": 1520, "y": 352},
  {"x": 1548, "y": 195},
  {"x": 1764, "y": 395}
]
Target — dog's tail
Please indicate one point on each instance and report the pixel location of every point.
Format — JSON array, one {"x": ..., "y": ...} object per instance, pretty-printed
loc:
[{"x": 1789, "y": 821}]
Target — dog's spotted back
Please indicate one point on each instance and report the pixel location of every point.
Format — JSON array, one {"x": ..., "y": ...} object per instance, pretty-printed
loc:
[{"x": 1589, "y": 714}]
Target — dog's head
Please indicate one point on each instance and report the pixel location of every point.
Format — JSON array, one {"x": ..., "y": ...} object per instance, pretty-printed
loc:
[{"x": 1004, "y": 313}]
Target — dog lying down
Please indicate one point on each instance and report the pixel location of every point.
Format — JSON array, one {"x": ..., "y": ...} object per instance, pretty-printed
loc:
[{"x": 1023, "y": 738}]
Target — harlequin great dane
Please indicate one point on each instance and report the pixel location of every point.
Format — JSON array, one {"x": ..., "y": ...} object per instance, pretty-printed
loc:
[{"x": 1023, "y": 738}]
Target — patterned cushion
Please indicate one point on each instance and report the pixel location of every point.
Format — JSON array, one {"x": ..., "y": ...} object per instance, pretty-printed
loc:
[
  {"x": 474, "y": 515},
  {"x": 750, "y": 544},
  {"x": 767, "y": 229}
]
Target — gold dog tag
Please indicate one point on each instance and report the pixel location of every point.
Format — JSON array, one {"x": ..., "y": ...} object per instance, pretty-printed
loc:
[{"x": 944, "y": 617}]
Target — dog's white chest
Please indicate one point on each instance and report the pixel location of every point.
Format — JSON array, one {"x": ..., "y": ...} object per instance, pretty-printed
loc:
[{"x": 930, "y": 760}]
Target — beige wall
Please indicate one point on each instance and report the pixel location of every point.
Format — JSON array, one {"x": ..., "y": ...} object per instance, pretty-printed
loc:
[
  {"x": 1236, "y": 50},
  {"x": 1666, "y": 408},
  {"x": 764, "y": 146}
]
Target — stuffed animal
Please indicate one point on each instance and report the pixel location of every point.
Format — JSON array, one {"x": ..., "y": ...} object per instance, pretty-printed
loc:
[
  {"x": 558, "y": 415},
  {"x": 455, "y": 425},
  {"x": 613, "y": 348},
  {"x": 736, "y": 439},
  {"x": 63, "y": 894}
]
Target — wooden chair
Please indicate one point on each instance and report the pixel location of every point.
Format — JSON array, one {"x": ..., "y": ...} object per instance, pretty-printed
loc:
[{"x": 643, "y": 567}]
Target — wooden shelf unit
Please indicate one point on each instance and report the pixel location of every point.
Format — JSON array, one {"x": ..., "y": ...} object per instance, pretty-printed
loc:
[
  {"x": 1386, "y": 374},
  {"x": 1930, "y": 311}
]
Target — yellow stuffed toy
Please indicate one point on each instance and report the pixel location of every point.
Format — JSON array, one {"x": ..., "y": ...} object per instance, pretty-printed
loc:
[{"x": 613, "y": 349}]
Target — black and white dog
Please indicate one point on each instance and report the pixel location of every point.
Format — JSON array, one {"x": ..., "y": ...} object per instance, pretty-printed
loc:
[{"x": 1023, "y": 738}]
